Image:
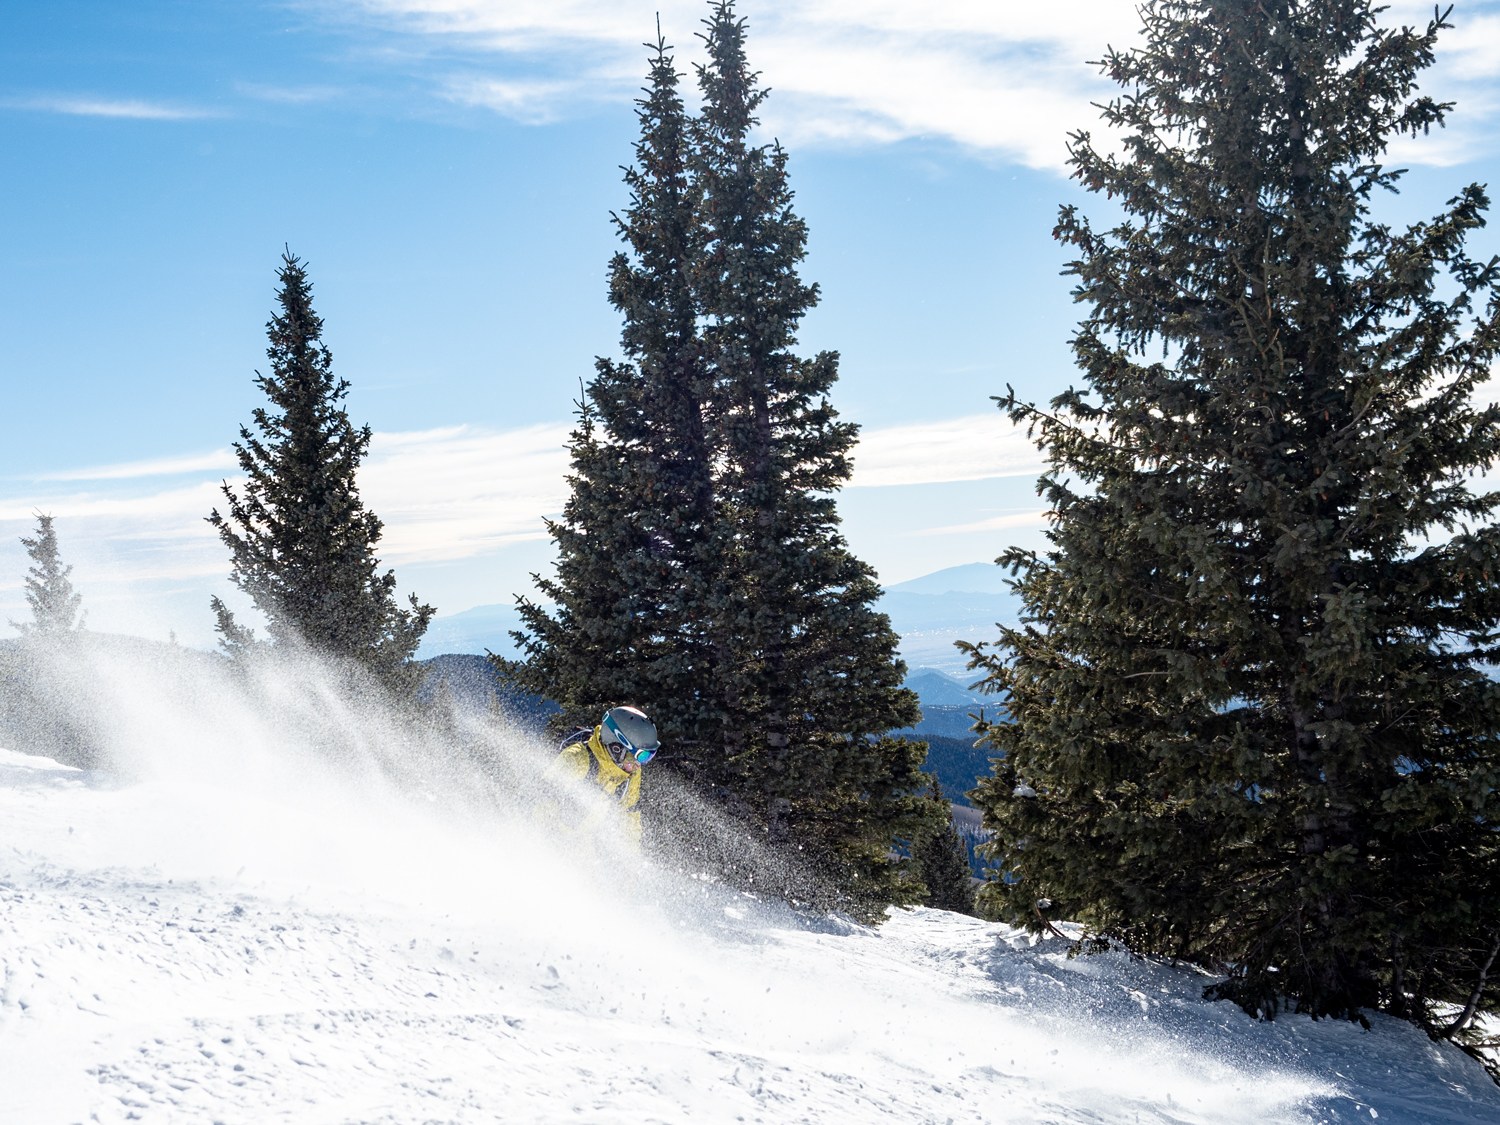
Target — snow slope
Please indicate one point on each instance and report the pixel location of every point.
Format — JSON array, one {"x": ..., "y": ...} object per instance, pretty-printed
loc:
[{"x": 220, "y": 931}]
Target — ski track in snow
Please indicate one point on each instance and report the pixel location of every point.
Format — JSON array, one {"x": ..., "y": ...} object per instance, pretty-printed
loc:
[{"x": 179, "y": 953}]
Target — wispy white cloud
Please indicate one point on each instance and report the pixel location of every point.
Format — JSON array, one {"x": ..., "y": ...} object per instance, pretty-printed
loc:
[
  {"x": 77, "y": 105},
  {"x": 454, "y": 493},
  {"x": 540, "y": 26},
  {"x": 1003, "y": 80},
  {"x": 975, "y": 447},
  {"x": 442, "y": 494},
  {"x": 146, "y": 558},
  {"x": 138, "y": 538},
  {"x": 221, "y": 460},
  {"x": 1009, "y": 521},
  {"x": 118, "y": 514},
  {"x": 986, "y": 76},
  {"x": 290, "y": 95},
  {"x": 534, "y": 102},
  {"x": 462, "y": 492}
]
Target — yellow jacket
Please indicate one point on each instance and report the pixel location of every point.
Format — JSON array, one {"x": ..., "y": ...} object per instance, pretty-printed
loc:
[{"x": 587, "y": 758}]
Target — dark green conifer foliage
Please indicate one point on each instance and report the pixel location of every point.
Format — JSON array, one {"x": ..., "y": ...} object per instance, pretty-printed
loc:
[
  {"x": 1249, "y": 720},
  {"x": 301, "y": 542},
  {"x": 635, "y": 538},
  {"x": 809, "y": 679},
  {"x": 702, "y": 573},
  {"x": 943, "y": 862},
  {"x": 49, "y": 593}
]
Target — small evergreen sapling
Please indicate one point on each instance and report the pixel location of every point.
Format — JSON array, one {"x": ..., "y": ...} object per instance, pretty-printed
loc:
[{"x": 50, "y": 594}]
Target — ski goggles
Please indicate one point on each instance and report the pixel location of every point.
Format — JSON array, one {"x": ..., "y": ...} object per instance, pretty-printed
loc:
[{"x": 641, "y": 754}]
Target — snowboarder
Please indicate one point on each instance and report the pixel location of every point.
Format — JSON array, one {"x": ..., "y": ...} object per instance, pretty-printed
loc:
[{"x": 611, "y": 756}]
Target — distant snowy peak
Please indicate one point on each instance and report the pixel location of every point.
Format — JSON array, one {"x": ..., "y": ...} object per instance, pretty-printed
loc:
[{"x": 960, "y": 603}]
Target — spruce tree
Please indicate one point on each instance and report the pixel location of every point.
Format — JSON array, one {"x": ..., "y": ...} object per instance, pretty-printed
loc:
[
  {"x": 635, "y": 536},
  {"x": 809, "y": 681},
  {"x": 702, "y": 571},
  {"x": 1249, "y": 718},
  {"x": 49, "y": 593},
  {"x": 302, "y": 544}
]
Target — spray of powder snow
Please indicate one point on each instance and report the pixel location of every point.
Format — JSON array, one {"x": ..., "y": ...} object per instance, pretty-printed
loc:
[
  {"x": 291, "y": 774},
  {"x": 287, "y": 782}
]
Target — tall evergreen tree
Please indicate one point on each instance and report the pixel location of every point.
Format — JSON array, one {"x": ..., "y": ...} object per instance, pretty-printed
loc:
[
  {"x": 808, "y": 677},
  {"x": 702, "y": 571},
  {"x": 301, "y": 542},
  {"x": 1249, "y": 718},
  {"x": 635, "y": 538},
  {"x": 49, "y": 593}
]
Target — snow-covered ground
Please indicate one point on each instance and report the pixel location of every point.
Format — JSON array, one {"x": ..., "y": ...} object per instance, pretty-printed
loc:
[{"x": 223, "y": 933}]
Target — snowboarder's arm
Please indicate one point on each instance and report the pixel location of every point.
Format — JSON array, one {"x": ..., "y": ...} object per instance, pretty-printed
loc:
[{"x": 573, "y": 761}]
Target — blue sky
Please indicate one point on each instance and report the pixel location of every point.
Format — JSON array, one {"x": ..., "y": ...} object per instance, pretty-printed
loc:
[{"x": 447, "y": 169}]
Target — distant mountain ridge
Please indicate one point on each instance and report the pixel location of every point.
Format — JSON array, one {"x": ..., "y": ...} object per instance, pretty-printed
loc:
[
  {"x": 929, "y": 613},
  {"x": 969, "y": 578},
  {"x": 940, "y": 689},
  {"x": 958, "y": 603}
]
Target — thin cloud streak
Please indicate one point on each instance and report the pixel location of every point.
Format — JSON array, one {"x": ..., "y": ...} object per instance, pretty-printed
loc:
[
  {"x": 221, "y": 460},
  {"x": 529, "y": 102},
  {"x": 1010, "y": 522},
  {"x": 976, "y": 447},
  {"x": 120, "y": 108},
  {"x": 290, "y": 95},
  {"x": 122, "y": 515}
]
